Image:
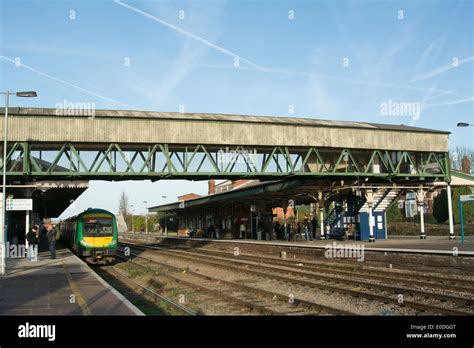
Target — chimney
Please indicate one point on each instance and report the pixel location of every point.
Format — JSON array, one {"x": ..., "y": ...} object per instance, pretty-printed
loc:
[
  {"x": 211, "y": 187},
  {"x": 466, "y": 165}
]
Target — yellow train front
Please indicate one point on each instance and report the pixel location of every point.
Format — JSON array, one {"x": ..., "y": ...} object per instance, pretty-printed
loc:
[{"x": 91, "y": 235}]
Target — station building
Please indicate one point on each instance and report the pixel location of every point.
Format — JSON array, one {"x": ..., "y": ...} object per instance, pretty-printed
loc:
[{"x": 229, "y": 204}]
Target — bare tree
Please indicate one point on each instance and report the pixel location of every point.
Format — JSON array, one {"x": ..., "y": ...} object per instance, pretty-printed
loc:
[
  {"x": 458, "y": 153},
  {"x": 123, "y": 204}
]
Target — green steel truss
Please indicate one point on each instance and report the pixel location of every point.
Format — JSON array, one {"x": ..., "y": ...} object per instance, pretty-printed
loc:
[{"x": 160, "y": 161}]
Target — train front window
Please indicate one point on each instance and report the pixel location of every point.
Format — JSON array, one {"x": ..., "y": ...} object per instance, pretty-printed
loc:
[{"x": 98, "y": 227}]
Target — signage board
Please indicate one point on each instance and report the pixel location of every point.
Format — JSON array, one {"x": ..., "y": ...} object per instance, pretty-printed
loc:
[
  {"x": 19, "y": 204},
  {"x": 466, "y": 198}
]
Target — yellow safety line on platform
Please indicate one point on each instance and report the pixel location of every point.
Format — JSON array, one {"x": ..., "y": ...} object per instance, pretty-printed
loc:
[{"x": 80, "y": 300}]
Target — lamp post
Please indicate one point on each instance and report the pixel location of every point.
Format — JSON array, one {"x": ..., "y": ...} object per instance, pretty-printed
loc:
[
  {"x": 448, "y": 189},
  {"x": 3, "y": 229},
  {"x": 146, "y": 217}
]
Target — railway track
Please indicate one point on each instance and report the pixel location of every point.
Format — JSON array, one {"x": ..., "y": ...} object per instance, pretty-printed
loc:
[
  {"x": 199, "y": 284},
  {"x": 344, "y": 267},
  {"x": 454, "y": 284},
  {"x": 263, "y": 301},
  {"x": 139, "y": 286},
  {"x": 417, "y": 298},
  {"x": 351, "y": 270}
]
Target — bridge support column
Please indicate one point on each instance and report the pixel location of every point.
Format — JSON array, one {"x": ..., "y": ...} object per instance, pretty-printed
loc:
[
  {"x": 321, "y": 214},
  {"x": 369, "y": 195},
  {"x": 450, "y": 213},
  {"x": 420, "y": 200}
]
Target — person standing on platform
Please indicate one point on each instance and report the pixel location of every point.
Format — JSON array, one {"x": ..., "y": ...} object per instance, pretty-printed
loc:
[
  {"x": 32, "y": 238},
  {"x": 212, "y": 231},
  {"x": 295, "y": 231},
  {"x": 243, "y": 230},
  {"x": 51, "y": 235},
  {"x": 307, "y": 231},
  {"x": 259, "y": 231},
  {"x": 314, "y": 224},
  {"x": 288, "y": 231}
]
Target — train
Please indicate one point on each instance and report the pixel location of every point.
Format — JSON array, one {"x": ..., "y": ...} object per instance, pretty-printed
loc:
[{"x": 92, "y": 235}]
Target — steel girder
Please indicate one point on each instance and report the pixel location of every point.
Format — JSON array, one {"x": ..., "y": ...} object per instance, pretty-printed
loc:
[{"x": 169, "y": 161}]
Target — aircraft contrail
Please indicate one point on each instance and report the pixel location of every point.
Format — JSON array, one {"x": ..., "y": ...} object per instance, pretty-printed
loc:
[
  {"x": 189, "y": 34},
  {"x": 64, "y": 82}
]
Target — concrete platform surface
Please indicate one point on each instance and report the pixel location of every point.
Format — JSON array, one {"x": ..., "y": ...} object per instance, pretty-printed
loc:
[{"x": 63, "y": 286}]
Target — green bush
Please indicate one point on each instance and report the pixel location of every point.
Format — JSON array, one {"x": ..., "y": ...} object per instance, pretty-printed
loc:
[
  {"x": 440, "y": 207},
  {"x": 413, "y": 229},
  {"x": 468, "y": 208},
  {"x": 428, "y": 218},
  {"x": 393, "y": 212}
]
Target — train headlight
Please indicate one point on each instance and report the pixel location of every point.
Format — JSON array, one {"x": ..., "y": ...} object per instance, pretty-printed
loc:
[
  {"x": 83, "y": 243},
  {"x": 113, "y": 242}
]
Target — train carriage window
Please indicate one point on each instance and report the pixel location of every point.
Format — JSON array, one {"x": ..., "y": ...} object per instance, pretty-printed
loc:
[{"x": 98, "y": 226}]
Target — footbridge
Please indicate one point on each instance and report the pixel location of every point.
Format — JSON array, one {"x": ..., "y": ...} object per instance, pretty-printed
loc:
[
  {"x": 44, "y": 144},
  {"x": 362, "y": 166}
]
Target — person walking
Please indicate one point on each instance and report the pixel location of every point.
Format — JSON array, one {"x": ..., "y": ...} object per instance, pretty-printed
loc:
[
  {"x": 51, "y": 235},
  {"x": 32, "y": 238}
]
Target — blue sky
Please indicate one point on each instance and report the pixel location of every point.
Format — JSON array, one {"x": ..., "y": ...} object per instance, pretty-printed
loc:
[{"x": 338, "y": 60}]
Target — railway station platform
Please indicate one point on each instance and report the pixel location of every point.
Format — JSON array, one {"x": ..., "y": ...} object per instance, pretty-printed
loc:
[
  {"x": 402, "y": 244},
  {"x": 435, "y": 254},
  {"x": 63, "y": 286}
]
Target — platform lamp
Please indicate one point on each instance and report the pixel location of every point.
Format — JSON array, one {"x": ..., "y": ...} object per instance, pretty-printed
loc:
[
  {"x": 3, "y": 229},
  {"x": 465, "y": 124},
  {"x": 166, "y": 218},
  {"x": 131, "y": 211}
]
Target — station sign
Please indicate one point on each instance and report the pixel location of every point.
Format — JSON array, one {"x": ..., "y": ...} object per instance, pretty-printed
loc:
[
  {"x": 466, "y": 198},
  {"x": 19, "y": 204}
]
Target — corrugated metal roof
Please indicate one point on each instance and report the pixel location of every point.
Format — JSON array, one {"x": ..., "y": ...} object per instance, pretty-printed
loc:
[
  {"x": 457, "y": 179},
  {"x": 223, "y": 118},
  {"x": 246, "y": 190}
]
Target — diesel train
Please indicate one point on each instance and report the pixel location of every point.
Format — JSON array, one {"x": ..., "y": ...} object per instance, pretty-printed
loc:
[{"x": 91, "y": 235}]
